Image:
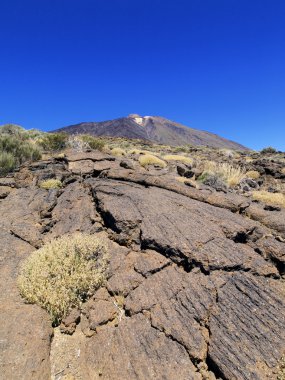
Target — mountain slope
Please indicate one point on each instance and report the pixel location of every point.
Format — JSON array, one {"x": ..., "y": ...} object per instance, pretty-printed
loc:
[{"x": 154, "y": 128}]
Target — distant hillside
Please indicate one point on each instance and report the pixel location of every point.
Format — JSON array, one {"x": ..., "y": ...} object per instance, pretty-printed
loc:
[{"x": 153, "y": 128}]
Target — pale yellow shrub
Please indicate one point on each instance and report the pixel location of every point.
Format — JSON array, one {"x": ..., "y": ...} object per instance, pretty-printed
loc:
[
  {"x": 51, "y": 184},
  {"x": 253, "y": 174},
  {"x": 148, "y": 159},
  {"x": 118, "y": 152},
  {"x": 64, "y": 273},
  {"x": 283, "y": 170},
  {"x": 231, "y": 175},
  {"x": 269, "y": 198},
  {"x": 173, "y": 157},
  {"x": 135, "y": 151}
]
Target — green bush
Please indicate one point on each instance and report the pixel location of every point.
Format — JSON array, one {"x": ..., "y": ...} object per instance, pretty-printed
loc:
[
  {"x": 94, "y": 143},
  {"x": 11, "y": 129},
  {"x": 14, "y": 148},
  {"x": 64, "y": 273},
  {"x": 268, "y": 150},
  {"x": 7, "y": 163},
  {"x": 54, "y": 141}
]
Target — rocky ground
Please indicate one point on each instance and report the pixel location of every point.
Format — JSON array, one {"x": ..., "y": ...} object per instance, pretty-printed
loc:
[{"x": 195, "y": 285}]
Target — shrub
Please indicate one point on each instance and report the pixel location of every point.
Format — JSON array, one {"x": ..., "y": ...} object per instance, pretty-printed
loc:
[
  {"x": 51, "y": 184},
  {"x": 230, "y": 174},
  {"x": 64, "y": 273},
  {"x": 148, "y": 159},
  {"x": 118, "y": 152},
  {"x": 11, "y": 129},
  {"x": 268, "y": 150},
  {"x": 54, "y": 141},
  {"x": 94, "y": 143},
  {"x": 185, "y": 160},
  {"x": 253, "y": 174},
  {"x": 270, "y": 198},
  {"x": 21, "y": 150},
  {"x": 135, "y": 151},
  {"x": 7, "y": 163},
  {"x": 182, "y": 149}
]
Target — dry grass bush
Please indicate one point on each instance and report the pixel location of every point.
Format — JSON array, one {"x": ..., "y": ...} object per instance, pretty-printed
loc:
[
  {"x": 135, "y": 151},
  {"x": 118, "y": 152},
  {"x": 184, "y": 159},
  {"x": 149, "y": 159},
  {"x": 230, "y": 174},
  {"x": 93, "y": 142},
  {"x": 51, "y": 184},
  {"x": 53, "y": 141},
  {"x": 228, "y": 153},
  {"x": 283, "y": 170},
  {"x": 269, "y": 198},
  {"x": 15, "y": 148},
  {"x": 7, "y": 163},
  {"x": 253, "y": 174},
  {"x": 64, "y": 273}
]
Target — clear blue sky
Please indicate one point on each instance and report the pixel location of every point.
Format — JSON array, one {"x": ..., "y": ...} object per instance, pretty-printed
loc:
[{"x": 216, "y": 65}]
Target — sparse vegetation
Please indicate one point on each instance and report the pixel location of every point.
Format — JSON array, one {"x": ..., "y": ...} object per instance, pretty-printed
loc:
[
  {"x": 230, "y": 174},
  {"x": 268, "y": 150},
  {"x": 15, "y": 150},
  {"x": 7, "y": 163},
  {"x": 64, "y": 273},
  {"x": 118, "y": 152},
  {"x": 148, "y": 159},
  {"x": 184, "y": 159},
  {"x": 53, "y": 141},
  {"x": 51, "y": 183},
  {"x": 269, "y": 198},
  {"x": 135, "y": 151},
  {"x": 253, "y": 174},
  {"x": 93, "y": 142}
]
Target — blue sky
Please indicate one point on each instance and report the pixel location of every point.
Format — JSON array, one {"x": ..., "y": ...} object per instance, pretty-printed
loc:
[{"x": 216, "y": 65}]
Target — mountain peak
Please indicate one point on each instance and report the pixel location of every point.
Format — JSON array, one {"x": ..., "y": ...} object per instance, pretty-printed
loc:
[{"x": 152, "y": 128}]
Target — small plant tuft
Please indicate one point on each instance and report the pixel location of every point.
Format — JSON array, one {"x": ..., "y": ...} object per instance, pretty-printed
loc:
[
  {"x": 184, "y": 159},
  {"x": 93, "y": 142},
  {"x": 269, "y": 198},
  {"x": 51, "y": 184},
  {"x": 118, "y": 152},
  {"x": 253, "y": 174},
  {"x": 230, "y": 174},
  {"x": 64, "y": 273},
  {"x": 148, "y": 159}
]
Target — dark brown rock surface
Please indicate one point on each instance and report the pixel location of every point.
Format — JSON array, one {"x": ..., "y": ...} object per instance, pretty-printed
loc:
[{"x": 195, "y": 286}]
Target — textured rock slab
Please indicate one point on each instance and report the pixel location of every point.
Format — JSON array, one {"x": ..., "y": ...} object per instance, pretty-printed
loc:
[
  {"x": 22, "y": 212},
  {"x": 135, "y": 350},
  {"x": 25, "y": 330},
  {"x": 248, "y": 328},
  {"x": 177, "y": 226},
  {"x": 178, "y": 304},
  {"x": 75, "y": 211},
  {"x": 272, "y": 219},
  {"x": 92, "y": 155}
]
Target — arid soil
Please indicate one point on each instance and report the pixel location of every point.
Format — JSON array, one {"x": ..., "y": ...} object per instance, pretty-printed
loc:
[{"x": 195, "y": 286}]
